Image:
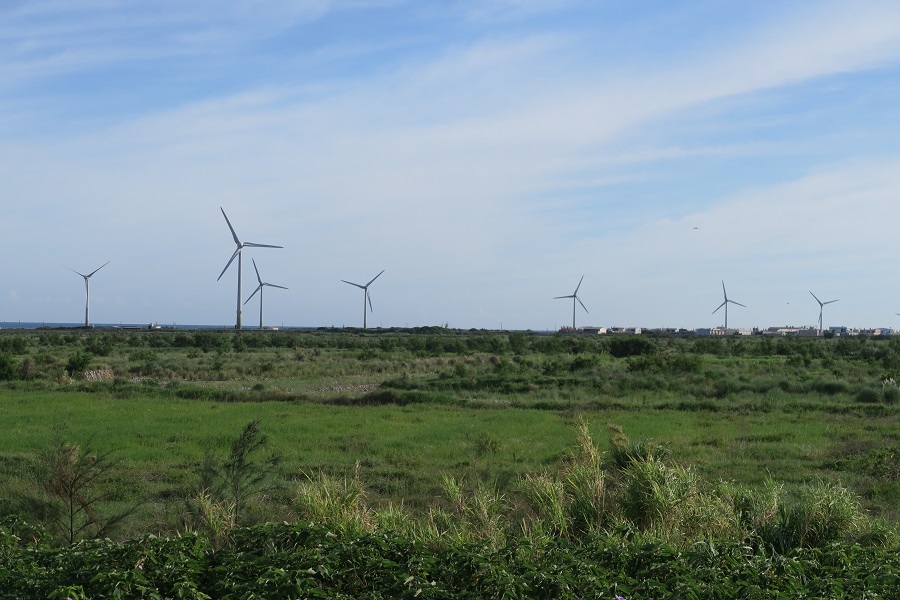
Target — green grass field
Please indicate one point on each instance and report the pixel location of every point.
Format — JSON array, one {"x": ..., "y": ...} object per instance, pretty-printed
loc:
[{"x": 405, "y": 408}]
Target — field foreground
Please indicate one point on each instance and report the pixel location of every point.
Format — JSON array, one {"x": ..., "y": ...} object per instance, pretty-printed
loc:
[{"x": 440, "y": 463}]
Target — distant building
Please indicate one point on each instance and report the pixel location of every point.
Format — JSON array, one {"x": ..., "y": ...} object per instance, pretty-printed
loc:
[
  {"x": 720, "y": 331},
  {"x": 842, "y": 330},
  {"x": 592, "y": 330},
  {"x": 625, "y": 330}
]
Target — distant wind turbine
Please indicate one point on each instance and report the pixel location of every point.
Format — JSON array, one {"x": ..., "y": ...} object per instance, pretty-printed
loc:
[
  {"x": 237, "y": 253},
  {"x": 366, "y": 297},
  {"x": 574, "y": 297},
  {"x": 725, "y": 304},
  {"x": 259, "y": 289},
  {"x": 821, "y": 307},
  {"x": 87, "y": 289}
]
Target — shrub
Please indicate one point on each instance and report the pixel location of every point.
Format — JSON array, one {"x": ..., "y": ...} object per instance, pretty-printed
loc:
[
  {"x": 825, "y": 513},
  {"x": 623, "y": 452},
  {"x": 622, "y": 347},
  {"x": 78, "y": 363},
  {"x": 334, "y": 502},
  {"x": 867, "y": 395},
  {"x": 14, "y": 345},
  {"x": 8, "y": 367},
  {"x": 574, "y": 502}
]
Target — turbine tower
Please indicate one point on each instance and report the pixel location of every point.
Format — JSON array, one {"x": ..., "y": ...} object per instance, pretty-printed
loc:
[
  {"x": 725, "y": 304},
  {"x": 574, "y": 297},
  {"x": 87, "y": 290},
  {"x": 237, "y": 253},
  {"x": 259, "y": 289},
  {"x": 821, "y": 306},
  {"x": 366, "y": 297}
]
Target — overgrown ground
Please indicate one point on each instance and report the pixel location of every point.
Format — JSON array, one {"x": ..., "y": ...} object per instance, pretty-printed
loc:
[{"x": 465, "y": 437}]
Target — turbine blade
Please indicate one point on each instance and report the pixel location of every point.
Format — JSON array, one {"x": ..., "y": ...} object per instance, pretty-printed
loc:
[
  {"x": 720, "y": 306},
  {"x": 98, "y": 268},
  {"x": 259, "y": 287},
  {"x": 374, "y": 278},
  {"x": 230, "y": 260},
  {"x": 582, "y": 304},
  {"x": 817, "y": 299},
  {"x": 74, "y": 271},
  {"x": 251, "y": 244},
  {"x": 362, "y": 287},
  {"x": 830, "y": 301},
  {"x": 273, "y": 285},
  {"x": 577, "y": 287},
  {"x": 724, "y": 293},
  {"x": 738, "y": 303},
  {"x": 369, "y": 298},
  {"x": 233, "y": 234},
  {"x": 257, "y": 271},
  {"x": 558, "y": 297}
]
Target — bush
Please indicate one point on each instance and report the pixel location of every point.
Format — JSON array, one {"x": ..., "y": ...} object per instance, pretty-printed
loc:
[
  {"x": 868, "y": 396},
  {"x": 824, "y": 514},
  {"x": 622, "y": 347},
  {"x": 14, "y": 345},
  {"x": 78, "y": 363},
  {"x": 8, "y": 367}
]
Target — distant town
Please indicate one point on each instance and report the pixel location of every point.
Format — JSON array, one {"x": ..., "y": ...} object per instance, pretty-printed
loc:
[{"x": 835, "y": 331}]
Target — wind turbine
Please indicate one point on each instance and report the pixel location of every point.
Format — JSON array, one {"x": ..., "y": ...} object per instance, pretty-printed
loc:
[
  {"x": 725, "y": 304},
  {"x": 574, "y": 297},
  {"x": 237, "y": 253},
  {"x": 259, "y": 289},
  {"x": 821, "y": 307},
  {"x": 87, "y": 289},
  {"x": 366, "y": 297}
]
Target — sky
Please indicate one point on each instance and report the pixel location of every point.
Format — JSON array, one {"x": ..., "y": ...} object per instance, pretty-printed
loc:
[{"x": 486, "y": 154}]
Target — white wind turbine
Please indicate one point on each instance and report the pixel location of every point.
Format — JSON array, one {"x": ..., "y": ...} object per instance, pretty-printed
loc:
[
  {"x": 725, "y": 304},
  {"x": 259, "y": 289},
  {"x": 237, "y": 253},
  {"x": 821, "y": 307},
  {"x": 574, "y": 297},
  {"x": 87, "y": 289},
  {"x": 366, "y": 297}
]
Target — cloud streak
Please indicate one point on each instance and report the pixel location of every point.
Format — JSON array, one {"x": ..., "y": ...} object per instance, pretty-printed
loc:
[{"x": 485, "y": 171}]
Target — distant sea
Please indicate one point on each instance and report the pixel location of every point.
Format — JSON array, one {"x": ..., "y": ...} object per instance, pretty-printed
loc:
[{"x": 30, "y": 325}]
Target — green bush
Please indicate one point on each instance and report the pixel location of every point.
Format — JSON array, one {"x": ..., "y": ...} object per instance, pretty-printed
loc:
[
  {"x": 868, "y": 395},
  {"x": 622, "y": 347},
  {"x": 78, "y": 363},
  {"x": 9, "y": 368}
]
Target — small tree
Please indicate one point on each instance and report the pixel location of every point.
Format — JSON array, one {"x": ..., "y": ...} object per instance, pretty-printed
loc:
[
  {"x": 71, "y": 479},
  {"x": 242, "y": 475}
]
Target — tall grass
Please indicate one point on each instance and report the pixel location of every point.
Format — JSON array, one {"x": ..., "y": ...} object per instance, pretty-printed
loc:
[{"x": 339, "y": 503}]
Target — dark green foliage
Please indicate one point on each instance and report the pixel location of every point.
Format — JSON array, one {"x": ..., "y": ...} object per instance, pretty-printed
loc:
[
  {"x": 78, "y": 363},
  {"x": 868, "y": 396},
  {"x": 14, "y": 344},
  {"x": 9, "y": 368},
  {"x": 621, "y": 347},
  {"x": 306, "y": 561},
  {"x": 99, "y": 345}
]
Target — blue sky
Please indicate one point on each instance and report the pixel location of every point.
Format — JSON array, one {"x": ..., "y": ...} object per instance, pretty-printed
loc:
[{"x": 485, "y": 153}]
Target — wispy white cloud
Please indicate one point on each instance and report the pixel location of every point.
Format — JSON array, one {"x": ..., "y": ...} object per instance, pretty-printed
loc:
[{"x": 454, "y": 169}]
